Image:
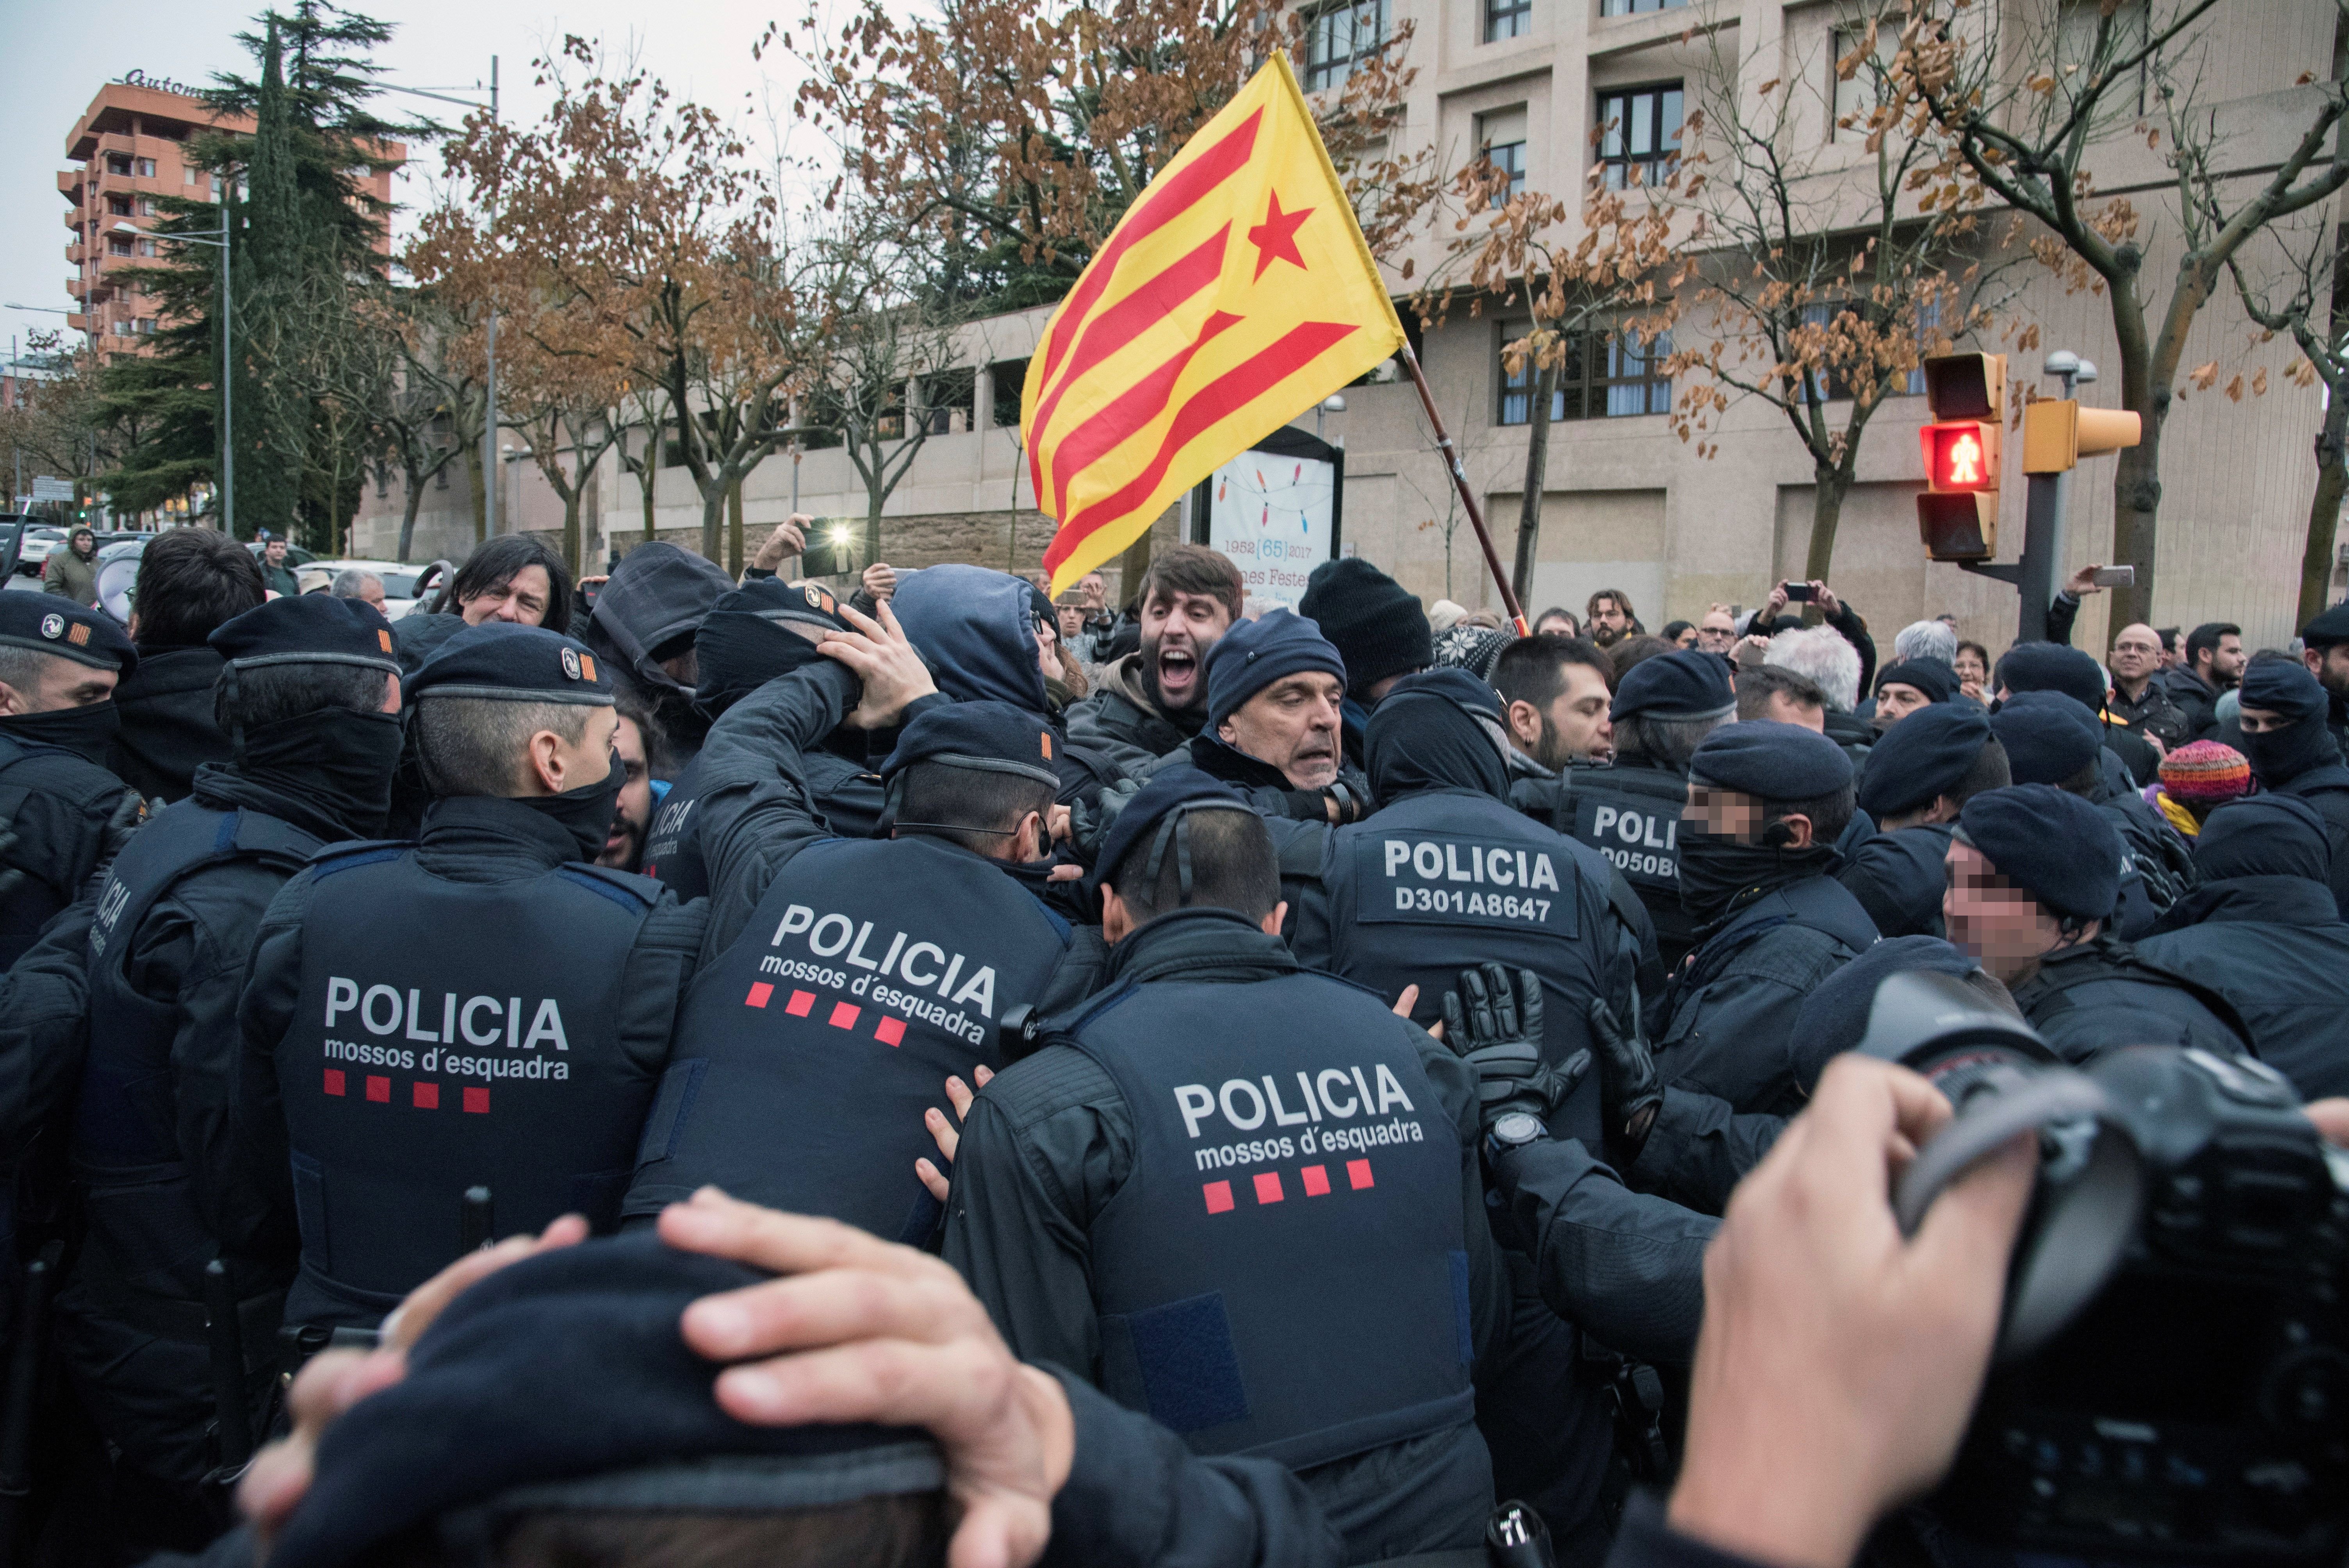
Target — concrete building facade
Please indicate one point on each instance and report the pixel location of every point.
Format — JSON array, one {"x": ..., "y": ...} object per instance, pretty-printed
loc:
[{"x": 1551, "y": 87}]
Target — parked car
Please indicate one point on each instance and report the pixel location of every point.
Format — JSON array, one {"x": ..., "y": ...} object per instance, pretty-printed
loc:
[
  {"x": 295, "y": 555},
  {"x": 317, "y": 576},
  {"x": 40, "y": 538}
]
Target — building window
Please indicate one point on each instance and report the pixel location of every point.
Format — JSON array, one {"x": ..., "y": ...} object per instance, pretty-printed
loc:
[
  {"x": 1341, "y": 36},
  {"x": 1837, "y": 385},
  {"x": 117, "y": 163},
  {"x": 1633, "y": 7},
  {"x": 118, "y": 245},
  {"x": 1640, "y": 131},
  {"x": 118, "y": 205},
  {"x": 146, "y": 167},
  {"x": 1607, "y": 374},
  {"x": 145, "y": 206},
  {"x": 1854, "y": 101},
  {"x": 1509, "y": 158},
  {"x": 187, "y": 175},
  {"x": 1502, "y": 137},
  {"x": 1005, "y": 380},
  {"x": 146, "y": 247},
  {"x": 1508, "y": 19}
]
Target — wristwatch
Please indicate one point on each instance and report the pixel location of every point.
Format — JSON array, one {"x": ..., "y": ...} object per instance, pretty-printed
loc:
[{"x": 1514, "y": 1130}]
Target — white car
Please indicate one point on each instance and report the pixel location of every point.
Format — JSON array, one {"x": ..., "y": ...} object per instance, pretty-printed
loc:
[
  {"x": 39, "y": 539},
  {"x": 398, "y": 580}
]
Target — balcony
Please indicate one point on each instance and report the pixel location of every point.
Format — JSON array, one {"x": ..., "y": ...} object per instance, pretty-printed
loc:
[
  {"x": 69, "y": 182},
  {"x": 79, "y": 322},
  {"x": 75, "y": 251}
]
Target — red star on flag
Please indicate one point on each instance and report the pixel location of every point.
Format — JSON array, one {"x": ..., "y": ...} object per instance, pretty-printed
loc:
[{"x": 1276, "y": 238}]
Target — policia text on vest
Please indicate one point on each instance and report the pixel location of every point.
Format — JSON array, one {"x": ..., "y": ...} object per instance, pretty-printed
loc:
[
  {"x": 385, "y": 1012},
  {"x": 1459, "y": 876},
  {"x": 1344, "y": 1093},
  {"x": 944, "y": 994}
]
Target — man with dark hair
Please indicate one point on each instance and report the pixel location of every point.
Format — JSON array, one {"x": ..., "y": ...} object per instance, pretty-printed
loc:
[
  {"x": 121, "y": 1027},
  {"x": 846, "y": 977},
  {"x": 1908, "y": 686},
  {"x": 2051, "y": 740},
  {"x": 510, "y": 1038},
  {"x": 513, "y": 578},
  {"x": 2034, "y": 875},
  {"x": 1917, "y": 780},
  {"x": 1781, "y": 695},
  {"x": 276, "y": 574},
  {"x": 1555, "y": 693},
  {"x": 2291, "y": 752},
  {"x": 2325, "y": 650},
  {"x": 191, "y": 583},
  {"x": 1207, "y": 1252},
  {"x": 1766, "y": 803},
  {"x": 2209, "y": 667},
  {"x": 1148, "y": 703},
  {"x": 62, "y": 814},
  {"x": 636, "y": 741},
  {"x": 1608, "y": 617}
]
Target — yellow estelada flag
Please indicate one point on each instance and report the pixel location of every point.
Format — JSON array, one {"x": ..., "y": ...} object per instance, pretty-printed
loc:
[{"x": 1236, "y": 292}]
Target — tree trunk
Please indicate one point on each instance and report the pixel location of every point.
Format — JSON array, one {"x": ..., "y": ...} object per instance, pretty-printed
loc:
[
  {"x": 713, "y": 512},
  {"x": 2324, "y": 510},
  {"x": 481, "y": 493},
  {"x": 407, "y": 517},
  {"x": 1529, "y": 506},
  {"x": 2137, "y": 480},
  {"x": 734, "y": 528},
  {"x": 1829, "y": 486},
  {"x": 572, "y": 496},
  {"x": 649, "y": 479}
]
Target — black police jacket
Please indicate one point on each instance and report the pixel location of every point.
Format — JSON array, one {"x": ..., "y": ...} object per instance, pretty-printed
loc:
[
  {"x": 1729, "y": 1018},
  {"x": 168, "y": 729},
  {"x": 845, "y": 794},
  {"x": 1631, "y": 813},
  {"x": 2327, "y": 789},
  {"x": 476, "y": 1008},
  {"x": 2277, "y": 949},
  {"x": 2157, "y": 863},
  {"x": 1898, "y": 878},
  {"x": 2097, "y": 994},
  {"x": 54, "y": 808},
  {"x": 1202, "y": 1263}
]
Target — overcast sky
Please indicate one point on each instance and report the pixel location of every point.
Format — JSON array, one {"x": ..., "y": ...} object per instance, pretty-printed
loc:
[{"x": 700, "y": 47}]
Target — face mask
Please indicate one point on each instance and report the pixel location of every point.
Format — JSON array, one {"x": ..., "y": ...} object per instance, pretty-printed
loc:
[
  {"x": 86, "y": 731},
  {"x": 339, "y": 758},
  {"x": 2279, "y": 756},
  {"x": 586, "y": 812},
  {"x": 1716, "y": 868}
]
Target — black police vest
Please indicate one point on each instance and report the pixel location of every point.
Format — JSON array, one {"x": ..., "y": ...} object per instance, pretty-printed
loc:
[
  {"x": 146, "y": 1245},
  {"x": 1284, "y": 1273},
  {"x": 1632, "y": 816},
  {"x": 452, "y": 1035},
  {"x": 808, "y": 1050},
  {"x": 1445, "y": 880},
  {"x": 672, "y": 852},
  {"x": 35, "y": 900}
]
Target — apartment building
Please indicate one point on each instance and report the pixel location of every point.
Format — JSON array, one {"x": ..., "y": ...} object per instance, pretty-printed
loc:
[{"x": 1551, "y": 89}]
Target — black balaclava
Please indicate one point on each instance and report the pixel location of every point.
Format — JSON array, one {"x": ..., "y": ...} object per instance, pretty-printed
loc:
[
  {"x": 1716, "y": 868},
  {"x": 339, "y": 758},
  {"x": 1421, "y": 739},
  {"x": 586, "y": 813},
  {"x": 86, "y": 731}
]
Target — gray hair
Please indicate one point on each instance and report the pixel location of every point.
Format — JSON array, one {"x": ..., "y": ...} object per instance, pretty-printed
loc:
[
  {"x": 25, "y": 669},
  {"x": 474, "y": 746},
  {"x": 351, "y": 583},
  {"x": 1926, "y": 640},
  {"x": 1820, "y": 653}
]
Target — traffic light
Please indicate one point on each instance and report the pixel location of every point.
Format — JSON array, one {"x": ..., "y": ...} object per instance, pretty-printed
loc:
[
  {"x": 2057, "y": 433},
  {"x": 1956, "y": 515}
]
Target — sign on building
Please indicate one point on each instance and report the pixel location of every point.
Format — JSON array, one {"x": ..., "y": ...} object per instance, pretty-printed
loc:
[
  {"x": 48, "y": 488},
  {"x": 1276, "y": 512}
]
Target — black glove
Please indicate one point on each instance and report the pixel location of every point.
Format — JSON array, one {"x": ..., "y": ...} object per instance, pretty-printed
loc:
[
  {"x": 1630, "y": 1087},
  {"x": 129, "y": 813},
  {"x": 1485, "y": 1022}
]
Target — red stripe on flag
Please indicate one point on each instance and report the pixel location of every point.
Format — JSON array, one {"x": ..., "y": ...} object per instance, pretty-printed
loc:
[
  {"x": 1128, "y": 318},
  {"x": 1233, "y": 391},
  {"x": 1129, "y": 411}
]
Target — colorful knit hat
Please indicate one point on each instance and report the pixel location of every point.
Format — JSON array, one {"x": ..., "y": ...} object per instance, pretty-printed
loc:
[{"x": 2205, "y": 773}]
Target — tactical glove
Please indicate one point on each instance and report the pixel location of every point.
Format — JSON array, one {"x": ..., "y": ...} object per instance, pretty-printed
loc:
[
  {"x": 1631, "y": 1089},
  {"x": 1489, "y": 1025}
]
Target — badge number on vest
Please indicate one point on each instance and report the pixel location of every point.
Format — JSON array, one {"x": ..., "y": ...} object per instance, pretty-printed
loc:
[
  {"x": 1458, "y": 881},
  {"x": 1339, "y": 1114},
  {"x": 911, "y": 979},
  {"x": 1642, "y": 843},
  {"x": 388, "y": 1014}
]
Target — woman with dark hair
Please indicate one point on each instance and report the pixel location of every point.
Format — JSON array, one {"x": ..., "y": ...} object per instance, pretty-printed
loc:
[
  {"x": 514, "y": 577},
  {"x": 1681, "y": 634},
  {"x": 1973, "y": 665}
]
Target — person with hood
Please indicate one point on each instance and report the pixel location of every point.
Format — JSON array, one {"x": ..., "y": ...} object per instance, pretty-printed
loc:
[
  {"x": 1766, "y": 803},
  {"x": 2263, "y": 930},
  {"x": 513, "y": 578},
  {"x": 642, "y": 627},
  {"x": 1276, "y": 696},
  {"x": 1153, "y": 700},
  {"x": 121, "y": 1027},
  {"x": 2293, "y": 752},
  {"x": 2035, "y": 874},
  {"x": 1917, "y": 780},
  {"x": 62, "y": 814},
  {"x": 72, "y": 572},
  {"x": 1379, "y": 628},
  {"x": 191, "y": 583}
]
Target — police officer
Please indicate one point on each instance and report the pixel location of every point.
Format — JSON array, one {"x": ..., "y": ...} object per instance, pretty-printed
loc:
[
  {"x": 2290, "y": 751},
  {"x": 2051, "y": 666},
  {"x": 2035, "y": 874},
  {"x": 847, "y": 976},
  {"x": 1243, "y": 1196},
  {"x": 483, "y": 1008},
  {"x": 2263, "y": 930},
  {"x": 2050, "y": 739},
  {"x": 1766, "y": 802},
  {"x": 1663, "y": 707},
  {"x": 1917, "y": 778},
  {"x": 2324, "y": 649},
  {"x": 62, "y": 814},
  {"x": 1275, "y": 701},
  {"x": 125, "y": 1016}
]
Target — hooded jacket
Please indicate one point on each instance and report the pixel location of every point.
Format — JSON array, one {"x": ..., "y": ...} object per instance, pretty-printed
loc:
[{"x": 168, "y": 731}]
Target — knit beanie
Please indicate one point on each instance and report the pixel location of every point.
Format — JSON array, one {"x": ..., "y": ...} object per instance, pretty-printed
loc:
[
  {"x": 2205, "y": 773},
  {"x": 1376, "y": 624}
]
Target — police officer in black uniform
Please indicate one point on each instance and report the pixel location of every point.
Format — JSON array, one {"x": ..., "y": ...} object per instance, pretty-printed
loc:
[
  {"x": 1766, "y": 803},
  {"x": 62, "y": 814},
  {"x": 121, "y": 1024},
  {"x": 1630, "y": 812},
  {"x": 483, "y": 1008},
  {"x": 2050, "y": 739},
  {"x": 2035, "y": 874},
  {"x": 846, "y": 977},
  {"x": 1243, "y": 1196},
  {"x": 1915, "y": 780}
]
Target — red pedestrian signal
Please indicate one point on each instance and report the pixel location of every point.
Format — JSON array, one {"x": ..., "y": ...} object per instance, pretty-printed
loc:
[
  {"x": 1956, "y": 515},
  {"x": 1961, "y": 456}
]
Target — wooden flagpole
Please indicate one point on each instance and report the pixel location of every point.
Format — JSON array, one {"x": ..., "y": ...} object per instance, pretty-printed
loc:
[{"x": 1450, "y": 454}]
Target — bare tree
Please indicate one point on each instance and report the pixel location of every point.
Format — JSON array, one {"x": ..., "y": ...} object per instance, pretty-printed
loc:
[{"x": 2309, "y": 301}]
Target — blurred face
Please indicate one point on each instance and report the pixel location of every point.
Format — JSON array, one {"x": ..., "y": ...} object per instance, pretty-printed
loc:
[
  {"x": 1574, "y": 727},
  {"x": 1970, "y": 667},
  {"x": 274, "y": 553},
  {"x": 1783, "y": 708},
  {"x": 64, "y": 683},
  {"x": 521, "y": 599},
  {"x": 2004, "y": 927},
  {"x": 1072, "y": 619},
  {"x": 1732, "y": 814},
  {"x": 1717, "y": 633},
  {"x": 1895, "y": 700},
  {"x": 624, "y": 846},
  {"x": 1609, "y": 621},
  {"x": 2328, "y": 665},
  {"x": 1177, "y": 630},
  {"x": 2136, "y": 653},
  {"x": 1293, "y": 725}
]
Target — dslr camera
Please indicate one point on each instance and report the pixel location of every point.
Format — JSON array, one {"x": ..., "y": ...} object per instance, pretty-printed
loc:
[{"x": 2171, "y": 1378}]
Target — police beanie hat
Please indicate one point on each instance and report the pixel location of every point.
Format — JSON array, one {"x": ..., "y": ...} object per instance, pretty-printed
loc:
[
  {"x": 1181, "y": 788},
  {"x": 564, "y": 1383},
  {"x": 499, "y": 661},
  {"x": 1377, "y": 625},
  {"x": 992, "y": 737},
  {"x": 1834, "y": 1017},
  {"x": 2054, "y": 846},
  {"x": 1770, "y": 760},
  {"x": 48, "y": 623},
  {"x": 772, "y": 599},
  {"x": 1922, "y": 758},
  {"x": 2048, "y": 737},
  {"x": 1687, "y": 682},
  {"x": 1254, "y": 653},
  {"x": 2052, "y": 667},
  {"x": 1937, "y": 680},
  {"x": 2284, "y": 686},
  {"x": 2267, "y": 835},
  {"x": 2327, "y": 630},
  {"x": 310, "y": 629}
]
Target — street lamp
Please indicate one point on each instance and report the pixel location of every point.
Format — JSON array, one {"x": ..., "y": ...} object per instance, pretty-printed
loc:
[{"x": 228, "y": 374}]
